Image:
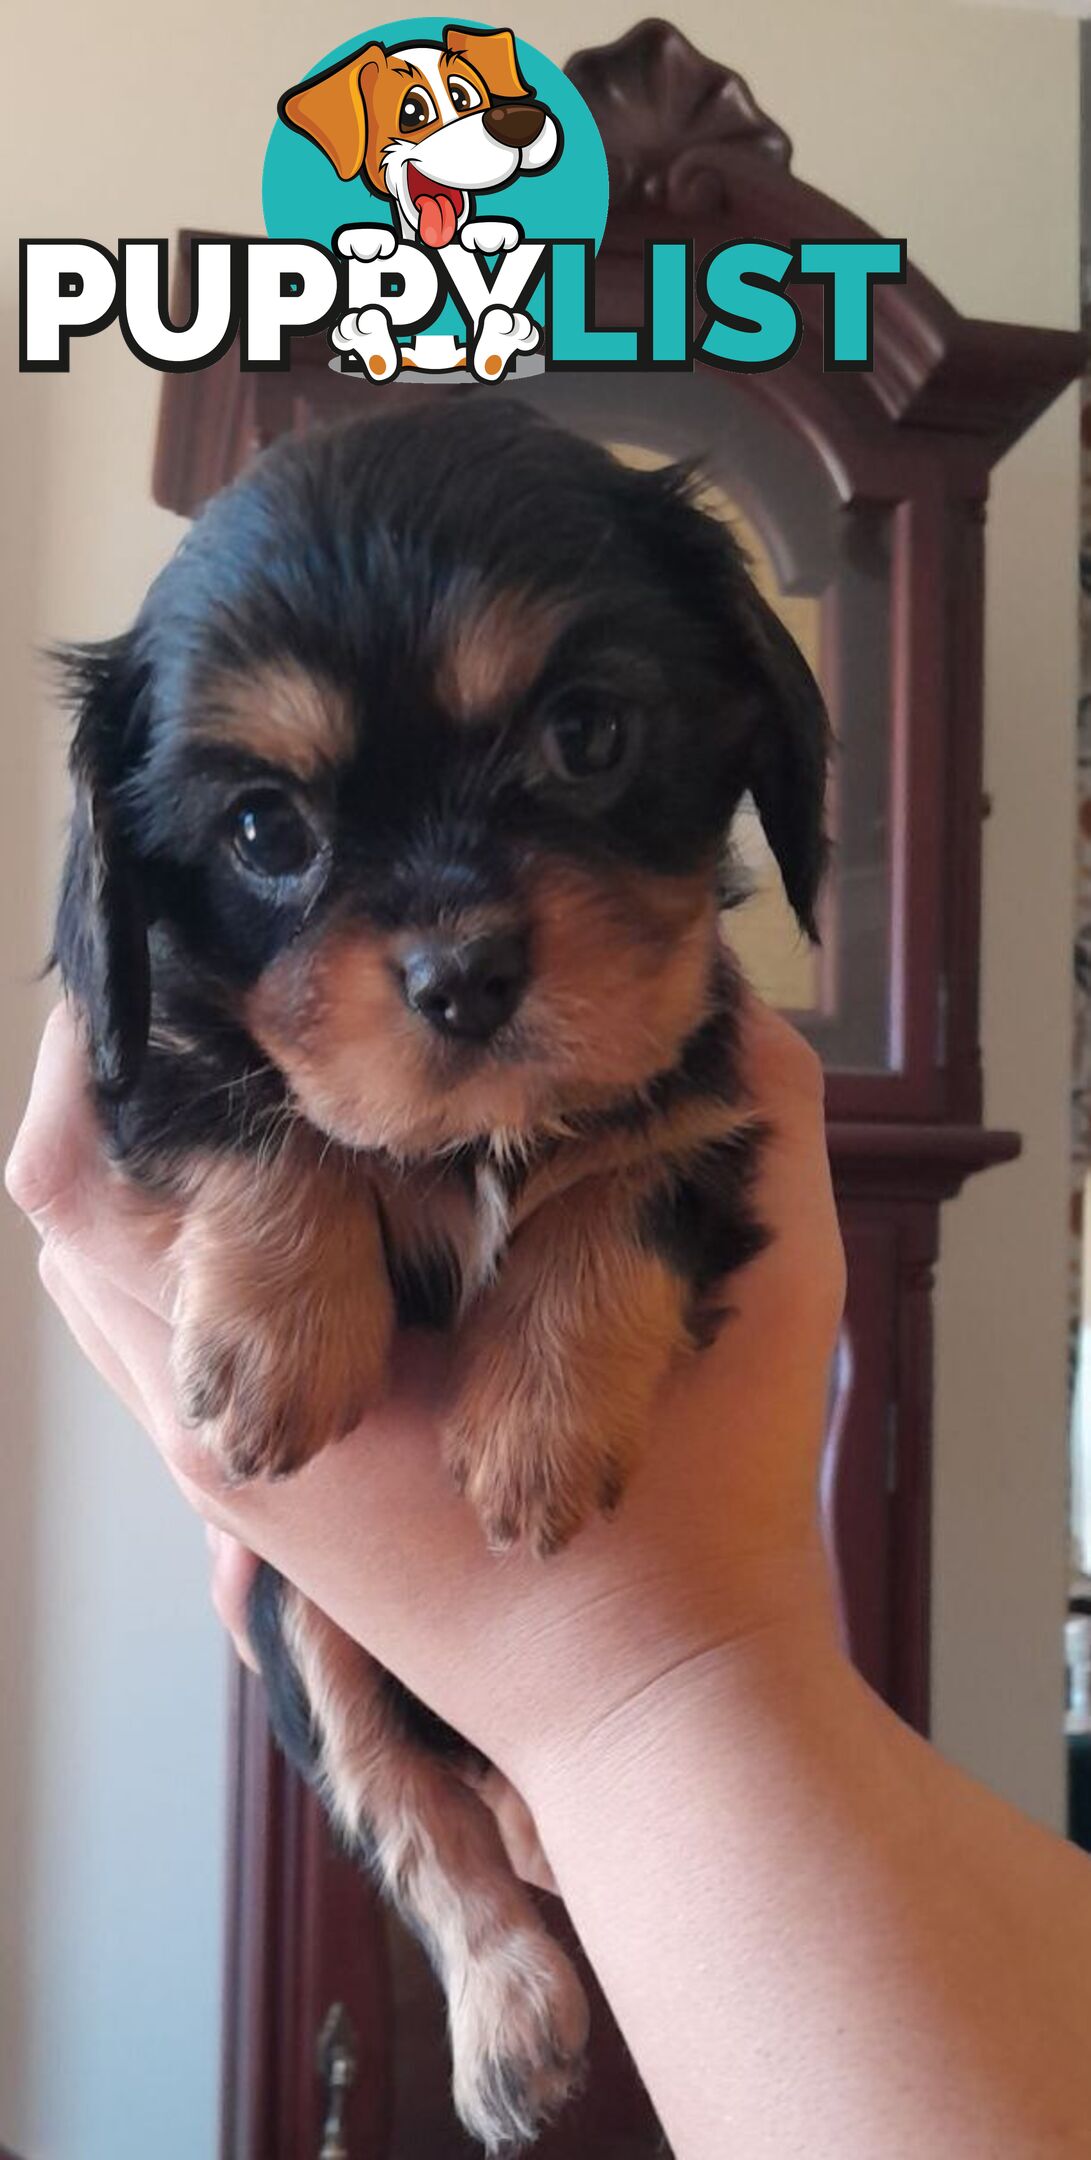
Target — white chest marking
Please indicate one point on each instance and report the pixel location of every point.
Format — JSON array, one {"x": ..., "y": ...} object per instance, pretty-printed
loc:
[{"x": 490, "y": 1233}]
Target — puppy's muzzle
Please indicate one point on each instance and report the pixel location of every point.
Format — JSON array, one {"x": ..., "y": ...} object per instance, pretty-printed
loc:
[
  {"x": 516, "y": 126},
  {"x": 466, "y": 988}
]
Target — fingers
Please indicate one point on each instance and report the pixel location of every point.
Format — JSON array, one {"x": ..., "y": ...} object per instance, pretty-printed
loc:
[
  {"x": 233, "y": 1571},
  {"x": 129, "y": 1345},
  {"x": 518, "y": 1830},
  {"x": 60, "y": 1176},
  {"x": 777, "y": 1058},
  {"x": 58, "y": 1132},
  {"x": 233, "y": 1567},
  {"x": 60, "y": 1287},
  {"x": 802, "y": 1270}
]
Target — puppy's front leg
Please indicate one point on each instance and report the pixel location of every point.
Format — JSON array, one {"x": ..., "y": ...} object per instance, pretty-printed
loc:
[
  {"x": 284, "y": 1312},
  {"x": 558, "y": 1367}
]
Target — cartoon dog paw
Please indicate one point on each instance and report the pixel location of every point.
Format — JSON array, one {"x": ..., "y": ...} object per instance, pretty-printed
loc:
[
  {"x": 367, "y": 333},
  {"x": 367, "y": 243},
  {"x": 490, "y": 236},
  {"x": 500, "y": 335}
]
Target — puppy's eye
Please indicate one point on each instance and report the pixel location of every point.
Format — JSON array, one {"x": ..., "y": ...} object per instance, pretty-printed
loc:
[
  {"x": 463, "y": 96},
  {"x": 417, "y": 110},
  {"x": 270, "y": 837},
  {"x": 585, "y": 748}
]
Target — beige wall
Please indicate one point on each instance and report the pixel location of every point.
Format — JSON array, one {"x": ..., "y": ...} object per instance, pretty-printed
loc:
[{"x": 956, "y": 125}]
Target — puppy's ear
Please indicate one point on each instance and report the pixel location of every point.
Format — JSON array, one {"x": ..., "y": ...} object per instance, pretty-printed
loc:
[
  {"x": 783, "y": 754},
  {"x": 491, "y": 53},
  {"x": 789, "y": 755},
  {"x": 100, "y": 942},
  {"x": 331, "y": 109}
]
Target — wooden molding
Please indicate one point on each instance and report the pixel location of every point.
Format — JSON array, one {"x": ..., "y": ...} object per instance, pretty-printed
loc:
[
  {"x": 687, "y": 143},
  {"x": 898, "y": 1161},
  {"x": 671, "y": 120}
]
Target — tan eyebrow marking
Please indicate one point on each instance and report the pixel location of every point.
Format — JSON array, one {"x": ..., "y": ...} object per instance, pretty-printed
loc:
[
  {"x": 497, "y": 651},
  {"x": 281, "y": 713},
  {"x": 453, "y": 58}
]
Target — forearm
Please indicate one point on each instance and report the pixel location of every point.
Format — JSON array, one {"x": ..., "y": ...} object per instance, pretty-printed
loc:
[{"x": 816, "y": 1935}]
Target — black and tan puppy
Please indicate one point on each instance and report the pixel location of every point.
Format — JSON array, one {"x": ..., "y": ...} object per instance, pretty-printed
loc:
[{"x": 391, "y": 909}]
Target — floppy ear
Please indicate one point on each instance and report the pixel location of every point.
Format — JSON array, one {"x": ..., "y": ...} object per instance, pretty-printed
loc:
[
  {"x": 331, "y": 109},
  {"x": 789, "y": 756},
  {"x": 492, "y": 54},
  {"x": 100, "y": 942},
  {"x": 783, "y": 755}
]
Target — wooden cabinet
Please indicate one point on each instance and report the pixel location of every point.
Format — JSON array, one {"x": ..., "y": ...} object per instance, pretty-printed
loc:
[{"x": 862, "y": 496}]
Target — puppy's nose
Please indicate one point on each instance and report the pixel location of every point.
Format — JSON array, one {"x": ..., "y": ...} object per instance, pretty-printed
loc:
[
  {"x": 466, "y": 989},
  {"x": 515, "y": 125}
]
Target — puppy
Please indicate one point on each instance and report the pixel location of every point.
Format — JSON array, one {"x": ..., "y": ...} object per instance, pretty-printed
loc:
[
  {"x": 391, "y": 909},
  {"x": 428, "y": 127}
]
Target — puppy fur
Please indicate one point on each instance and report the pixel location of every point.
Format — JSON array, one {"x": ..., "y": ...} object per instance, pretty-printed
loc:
[{"x": 450, "y": 675}]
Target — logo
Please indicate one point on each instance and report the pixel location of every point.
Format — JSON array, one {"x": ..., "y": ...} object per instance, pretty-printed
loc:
[
  {"x": 435, "y": 195},
  {"x": 439, "y": 162}
]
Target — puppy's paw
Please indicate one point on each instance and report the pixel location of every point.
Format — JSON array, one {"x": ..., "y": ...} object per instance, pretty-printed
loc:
[
  {"x": 535, "y": 1467},
  {"x": 490, "y": 236},
  {"x": 499, "y": 337},
  {"x": 519, "y": 2022},
  {"x": 270, "y": 1386},
  {"x": 537, "y": 1507},
  {"x": 367, "y": 333},
  {"x": 367, "y": 243}
]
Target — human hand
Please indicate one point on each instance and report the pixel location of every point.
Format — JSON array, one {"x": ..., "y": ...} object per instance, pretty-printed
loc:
[{"x": 716, "y": 1539}]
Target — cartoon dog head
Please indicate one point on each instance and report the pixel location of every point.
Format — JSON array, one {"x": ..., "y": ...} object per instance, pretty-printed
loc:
[{"x": 428, "y": 126}]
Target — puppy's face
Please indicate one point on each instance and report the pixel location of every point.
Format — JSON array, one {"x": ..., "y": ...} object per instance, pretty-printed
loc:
[{"x": 433, "y": 731}]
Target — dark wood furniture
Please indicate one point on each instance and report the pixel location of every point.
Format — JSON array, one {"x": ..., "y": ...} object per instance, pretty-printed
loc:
[{"x": 866, "y": 496}]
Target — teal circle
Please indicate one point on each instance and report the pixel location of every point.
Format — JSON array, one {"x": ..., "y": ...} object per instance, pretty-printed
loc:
[{"x": 303, "y": 199}]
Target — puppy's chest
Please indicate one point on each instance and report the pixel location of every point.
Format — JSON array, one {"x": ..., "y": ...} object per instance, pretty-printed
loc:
[{"x": 446, "y": 1229}]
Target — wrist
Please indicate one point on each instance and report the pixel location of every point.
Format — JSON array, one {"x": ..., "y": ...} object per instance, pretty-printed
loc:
[
  {"x": 626, "y": 1684},
  {"x": 655, "y": 1822}
]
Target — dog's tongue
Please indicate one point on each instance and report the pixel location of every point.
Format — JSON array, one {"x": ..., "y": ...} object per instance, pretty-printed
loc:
[{"x": 437, "y": 220}]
